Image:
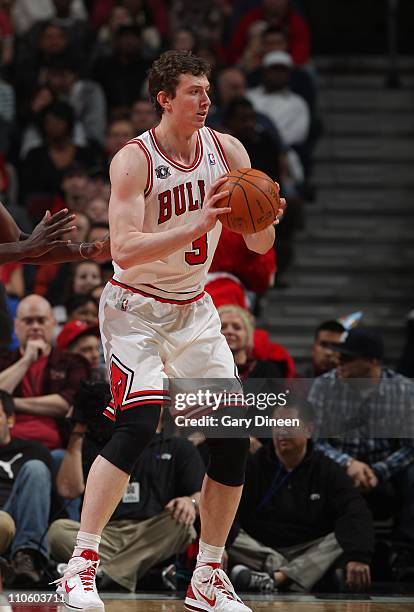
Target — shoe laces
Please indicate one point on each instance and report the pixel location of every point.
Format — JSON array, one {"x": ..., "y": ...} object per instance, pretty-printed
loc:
[
  {"x": 86, "y": 570},
  {"x": 261, "y": 581},
  {"x": 220, "y": 581}
]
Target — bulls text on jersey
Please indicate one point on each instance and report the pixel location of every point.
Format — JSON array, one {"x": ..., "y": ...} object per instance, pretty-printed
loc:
[{"x": 180, "y": 199}]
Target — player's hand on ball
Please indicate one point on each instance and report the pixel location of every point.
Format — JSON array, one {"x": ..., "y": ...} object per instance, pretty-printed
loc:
[
  {"x": 210, "y": 212},
  {"x": 281, "y": 211}
]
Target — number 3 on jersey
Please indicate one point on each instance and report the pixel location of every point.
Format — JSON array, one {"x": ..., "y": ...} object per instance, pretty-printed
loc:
[{"x": 199, "y": 253}]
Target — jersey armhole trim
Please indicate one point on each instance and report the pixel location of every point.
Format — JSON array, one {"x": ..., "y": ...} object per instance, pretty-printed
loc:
[
  {"x": 220, "y": 149},
  {"x": 150, "y": 181}
]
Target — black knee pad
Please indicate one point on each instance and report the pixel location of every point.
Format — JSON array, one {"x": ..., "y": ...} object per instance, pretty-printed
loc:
[
  {"x": 133, "y": 431},
  {"x": 228, "y": 458}
]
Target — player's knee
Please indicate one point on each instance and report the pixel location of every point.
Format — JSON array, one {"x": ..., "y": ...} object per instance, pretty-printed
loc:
[
  {"x": 133, "y": 431},
  {"x": 228, "y": 460}
]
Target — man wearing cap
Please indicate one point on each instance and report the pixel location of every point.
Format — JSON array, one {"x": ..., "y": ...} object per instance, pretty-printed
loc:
[
  {"x": 274, "y": 98},
  {"x": 364, "y": 421},
  {"x": 83, "y": 339}
]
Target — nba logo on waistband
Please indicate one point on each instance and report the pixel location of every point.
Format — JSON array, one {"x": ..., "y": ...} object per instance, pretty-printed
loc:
[{"x": 211, "y": 159}]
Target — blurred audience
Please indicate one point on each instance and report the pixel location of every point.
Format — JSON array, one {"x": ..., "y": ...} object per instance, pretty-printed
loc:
[{"x": 324, "y": 358}]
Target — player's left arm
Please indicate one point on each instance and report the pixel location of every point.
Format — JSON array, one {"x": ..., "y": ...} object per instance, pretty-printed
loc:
[{"x": 237, "y": 157}]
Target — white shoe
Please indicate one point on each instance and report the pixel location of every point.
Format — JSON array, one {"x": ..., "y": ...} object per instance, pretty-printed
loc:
[
  {"x": 78, "y": 583},
  {"x": 211, "y": 590}
]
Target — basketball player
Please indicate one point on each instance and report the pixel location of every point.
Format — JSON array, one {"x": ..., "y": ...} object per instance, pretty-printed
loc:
[
  {"x": 157, "y": 322},
  {"x": 46, "y": 244}
]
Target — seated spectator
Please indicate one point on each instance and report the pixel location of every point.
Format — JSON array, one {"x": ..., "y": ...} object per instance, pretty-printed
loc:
[
  {"x": 98, "y": 213},
  {"x": 118, "y": 133},
  {"x": 82, "y": 307},
  {"x": 83, "y": 277},
  {"x": 26, "y": 12},
  {"x": 63, "y": 78},
  {"x": 42, "y": 379},
  {"x": 44, "y": 167},
  {"x": 75, "y": 23},
  {"x": 276, "y": 39},
  {"x": 25, "y": 495},
  {"x": 98, "y": 231},
  {"x": 83, "y": 339},
  {"x": 183, "y": 40},
  {"x": 276, "y": 13},
  {"x": 237, "y": 326},
  {"x": 324, "y": 358},
  {"x": 300, "y": 513},
  {"x": 122, "y": 74},
  {"x": 364, "y": 402},
  {"x": 155, "y": 518},
  {"x": 288, "y": 111},
  {"x": 118, "y": 16},
  {"x": 143, "y": 116}
]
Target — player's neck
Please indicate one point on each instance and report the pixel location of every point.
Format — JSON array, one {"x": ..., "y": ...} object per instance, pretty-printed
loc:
[{"x": 175, "y": 142}]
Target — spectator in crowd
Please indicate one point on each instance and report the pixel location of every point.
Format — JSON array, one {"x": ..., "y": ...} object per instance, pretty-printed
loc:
[
  {"x": 74, "y": 188},
  {"x": 119, "y": 16},
  {"x": 25, "y": 495},
  {"x": 42, "y": 379},
  {"x": 143, "y": 116},
  {"x": 364, "y": 414},
  {"x": 276, "y": 13},
  {"x": 118, "y": 133},
  {"x": 84, "y": 276},
  {"x": 83, "y": 339},
  {"x": 31, "y": 61},
  {"x": 26, "y": 12},
  {"x": 98, "y": 231},
  {"x": 276, "y": 39},
  {"x": 98, "y": 212},
  {"x": 44, "y": 167},
  {"x": 324, "y": 358},
  {"x": 82, "y": 307},
  {"x": 300, "y": 513},
  {"x": 183, "y": 40},
  {"x": 7, "y": 117},
  {"x": 288, "y": 111},
  {"x": 122, "y": 74},
  {"x": 237, "y": 326},
  {"x": 85, "y": 96},
  {"x": 155, "y": 518}
]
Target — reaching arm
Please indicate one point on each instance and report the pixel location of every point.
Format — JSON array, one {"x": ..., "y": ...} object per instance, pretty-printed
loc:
[
  {"x": 130, "y": 246},
  {"x": 237, "y": 157}
]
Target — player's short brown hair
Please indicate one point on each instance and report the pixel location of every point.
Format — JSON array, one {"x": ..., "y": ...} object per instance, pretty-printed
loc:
[{"x": 166, "y": 70}]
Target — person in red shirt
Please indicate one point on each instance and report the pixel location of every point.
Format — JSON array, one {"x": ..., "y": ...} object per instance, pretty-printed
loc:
[
  {"x": 42, "y": 379},
  {"x": 276, "y": 13}
]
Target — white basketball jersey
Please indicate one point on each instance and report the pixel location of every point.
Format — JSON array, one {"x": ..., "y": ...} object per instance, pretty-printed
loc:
[{"x": 174, "y": 195}]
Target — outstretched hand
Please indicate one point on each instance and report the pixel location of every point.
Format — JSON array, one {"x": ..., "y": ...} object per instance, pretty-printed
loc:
[
  {"x": 49, "y": 233},
  {"x": 98, "y": 251}
]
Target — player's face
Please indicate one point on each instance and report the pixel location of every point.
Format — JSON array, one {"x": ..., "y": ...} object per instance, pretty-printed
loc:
[{"x": 191, "y": 101}]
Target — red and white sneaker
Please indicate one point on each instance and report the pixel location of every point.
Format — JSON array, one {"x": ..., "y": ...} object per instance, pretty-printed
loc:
[
  {"x": 78, "y": 583},
  {"x": 210, "y": 589}
]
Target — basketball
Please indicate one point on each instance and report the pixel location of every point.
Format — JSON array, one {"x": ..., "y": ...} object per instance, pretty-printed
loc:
[{"x": 253, "y": 199}]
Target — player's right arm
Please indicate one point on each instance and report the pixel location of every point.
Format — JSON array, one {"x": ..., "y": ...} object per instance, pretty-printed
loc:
[{"x": 130, "y": 246}]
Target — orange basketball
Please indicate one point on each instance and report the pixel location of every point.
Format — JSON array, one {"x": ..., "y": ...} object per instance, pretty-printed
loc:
[{"x": 253, "y": 199}]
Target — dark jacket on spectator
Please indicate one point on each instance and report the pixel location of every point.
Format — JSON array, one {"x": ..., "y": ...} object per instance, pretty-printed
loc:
[{"x": 281, "y": 508}]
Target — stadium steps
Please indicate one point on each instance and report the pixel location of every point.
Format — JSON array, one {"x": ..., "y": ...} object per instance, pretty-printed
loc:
[{"x": 357, "y": 251}]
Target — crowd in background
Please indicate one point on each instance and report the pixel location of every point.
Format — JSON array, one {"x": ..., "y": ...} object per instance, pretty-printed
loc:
[{"x": 72, "y": 93}]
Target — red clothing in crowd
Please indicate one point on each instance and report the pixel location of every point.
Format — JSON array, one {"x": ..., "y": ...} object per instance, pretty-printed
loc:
[
  {"x": 293, "y": 23},
  {"x": 256, "y": 272},
  {"x": 59, "y": 373}
]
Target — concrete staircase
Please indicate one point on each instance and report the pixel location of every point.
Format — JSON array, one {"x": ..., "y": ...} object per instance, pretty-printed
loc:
[{"x": 357, "y": 252}]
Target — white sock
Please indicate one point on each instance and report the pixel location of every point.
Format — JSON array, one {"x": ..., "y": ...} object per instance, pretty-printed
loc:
[
  {"x": 209, "y": 554},
  {"x": 84, "y": 541}
]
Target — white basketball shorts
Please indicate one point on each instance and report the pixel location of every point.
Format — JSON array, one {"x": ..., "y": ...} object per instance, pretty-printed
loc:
[{"x": 147, "y": 341}]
